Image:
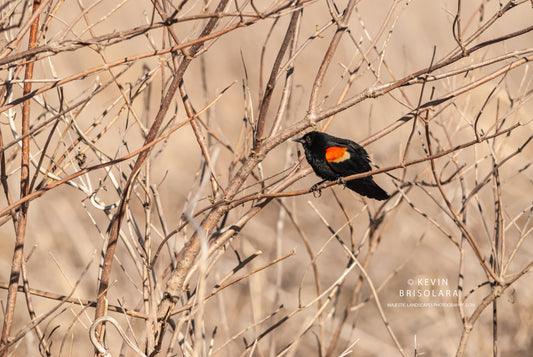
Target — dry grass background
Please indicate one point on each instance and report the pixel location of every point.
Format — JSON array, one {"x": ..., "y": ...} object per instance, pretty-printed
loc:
[{"x": 300, "y": 257}]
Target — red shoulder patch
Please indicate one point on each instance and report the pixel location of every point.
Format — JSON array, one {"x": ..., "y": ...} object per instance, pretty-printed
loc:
[{"x": 336, "y": 154}]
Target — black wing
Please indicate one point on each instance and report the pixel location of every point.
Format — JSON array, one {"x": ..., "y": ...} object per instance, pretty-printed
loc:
[{"x": 358, "y": 161}]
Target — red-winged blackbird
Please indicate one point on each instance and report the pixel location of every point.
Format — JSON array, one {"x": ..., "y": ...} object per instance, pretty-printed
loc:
[{"x": 333, "y": 158}]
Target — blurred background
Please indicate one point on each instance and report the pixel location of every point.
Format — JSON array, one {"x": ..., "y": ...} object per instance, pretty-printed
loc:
[{"x": 101, "y": 72}]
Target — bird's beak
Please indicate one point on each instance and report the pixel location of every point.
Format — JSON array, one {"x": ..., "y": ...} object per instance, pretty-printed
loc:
[{"x": 300, "y": 140}]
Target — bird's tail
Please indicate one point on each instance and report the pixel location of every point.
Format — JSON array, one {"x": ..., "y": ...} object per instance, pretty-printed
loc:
[{"x": 367, "y": 187}]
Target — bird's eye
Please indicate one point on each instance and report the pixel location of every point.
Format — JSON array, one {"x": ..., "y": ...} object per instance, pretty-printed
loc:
[{"x": 308, "y": 140}]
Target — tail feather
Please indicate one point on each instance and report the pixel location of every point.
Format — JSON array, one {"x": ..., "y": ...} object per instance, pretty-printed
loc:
[{"x": 367, "y": 187}]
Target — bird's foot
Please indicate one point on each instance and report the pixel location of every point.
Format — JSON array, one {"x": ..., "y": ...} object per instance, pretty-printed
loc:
[
  {"x": 316, "y": 191},
  {"x": 341, "y": 181}
]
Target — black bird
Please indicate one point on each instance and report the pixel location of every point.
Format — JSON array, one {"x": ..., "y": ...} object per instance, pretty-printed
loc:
[{"x": 333, "y": 158}]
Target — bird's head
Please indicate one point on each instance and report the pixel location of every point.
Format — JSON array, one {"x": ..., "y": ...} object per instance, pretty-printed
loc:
[{"x": 310, "y": 139}]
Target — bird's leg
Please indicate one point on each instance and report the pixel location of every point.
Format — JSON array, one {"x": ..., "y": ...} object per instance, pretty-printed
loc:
[{"x": 316, "y": 191}]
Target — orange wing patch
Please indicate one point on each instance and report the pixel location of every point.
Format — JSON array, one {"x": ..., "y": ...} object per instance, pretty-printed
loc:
[{"x": 336, "y": 154}]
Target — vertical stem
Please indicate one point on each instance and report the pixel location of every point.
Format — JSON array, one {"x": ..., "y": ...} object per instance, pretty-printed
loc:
[
  {"x": 265, "y": 103},
  {"x": 208, "y": 166},
  {"x": 457, "y": 29},
  {"x": 495, "y": 328},
  {"x": 498, "y": 250},
  {"x": 289, "y": 78},
  {"x": 148, "y": 287},
  {"x": 16, "y": 263},
  {"x": 326, "y": 61}
]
